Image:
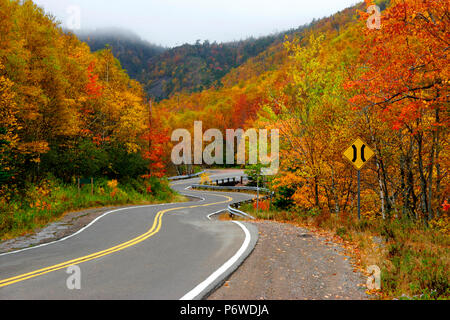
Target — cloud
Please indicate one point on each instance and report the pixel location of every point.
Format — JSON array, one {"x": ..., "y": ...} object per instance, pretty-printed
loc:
[{"x": 174, "y": 22}]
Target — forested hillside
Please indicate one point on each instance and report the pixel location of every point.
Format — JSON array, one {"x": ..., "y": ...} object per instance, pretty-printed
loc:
[
  {"x": 192, "y": 68},
  {"x": 348, "y": 81},
  {"x": 133, "y": 53},
  {"x": 187, "y": 68},
  {"x": 200, "y": 66},
  {"x": 251, "y": 85}
]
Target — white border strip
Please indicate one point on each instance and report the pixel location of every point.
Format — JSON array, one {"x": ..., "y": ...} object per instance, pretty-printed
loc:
[{"x": 202, "y": 286}]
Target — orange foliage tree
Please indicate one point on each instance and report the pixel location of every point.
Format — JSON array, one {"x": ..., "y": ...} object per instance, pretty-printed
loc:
[{"x": 402, "y": 81}]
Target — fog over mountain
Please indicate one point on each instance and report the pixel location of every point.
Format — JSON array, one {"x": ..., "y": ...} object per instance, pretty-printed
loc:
[
  {"x": 163, "y": 71},
  {"x": 132, "y": 51}
]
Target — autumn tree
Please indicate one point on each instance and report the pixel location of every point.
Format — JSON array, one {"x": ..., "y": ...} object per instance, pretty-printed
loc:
[
  {"x": 403, "y": 81},
  {"x": 8, "y": 126},
  {"x": 66, "y": 110},
  {"x": 157, "y": 138}
]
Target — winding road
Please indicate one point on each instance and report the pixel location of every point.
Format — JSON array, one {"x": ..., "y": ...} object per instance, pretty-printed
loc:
[{"x": 168, "y": 251}]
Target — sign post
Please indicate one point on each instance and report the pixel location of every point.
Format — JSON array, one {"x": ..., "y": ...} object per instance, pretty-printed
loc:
[
  {"x": 359, "y": 194},
  {"x": 359, "y": 154},
  {"x": 84, "y": 181}
]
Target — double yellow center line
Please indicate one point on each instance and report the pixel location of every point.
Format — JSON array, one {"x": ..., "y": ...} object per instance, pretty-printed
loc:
[{"x": 156, "y": 227}]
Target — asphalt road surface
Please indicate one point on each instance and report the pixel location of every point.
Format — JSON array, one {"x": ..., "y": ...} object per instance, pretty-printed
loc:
[{"x": 169, "y": 251}]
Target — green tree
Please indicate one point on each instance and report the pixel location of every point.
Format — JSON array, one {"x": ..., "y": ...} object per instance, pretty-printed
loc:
[{"x": 5, "y": 175}]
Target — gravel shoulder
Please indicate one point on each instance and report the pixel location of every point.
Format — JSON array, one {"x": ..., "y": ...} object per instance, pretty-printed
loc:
[{"x": 291, "y": 263}]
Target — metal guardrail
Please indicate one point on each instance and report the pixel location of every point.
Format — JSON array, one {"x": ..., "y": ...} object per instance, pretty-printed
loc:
[
  {"x": 240, "y": 213},
  {"x": 206, "y": 186},
  {"x": 225, "y": 181},
  {"x": 188, "y": 176},
  {"x": 231, "y": 209},
  {"x": 218, "y": 181}
]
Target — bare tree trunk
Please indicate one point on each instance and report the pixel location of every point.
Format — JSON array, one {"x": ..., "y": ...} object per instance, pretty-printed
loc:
[
  {"x": 336, "y": 198},
  {"x": 380, "y": 169},
  {"x": 430, "y": 178},
  {"x": 405, "y": 194},
  {"x": 349, "y": 190},
  {"x": 380, "y": 183},
  {"x": 423, "y": 180},
  {"x": 316, "y": 192},
  {"x": 410, "y": 183},
  {"x": 438, "y": 167},
  {"x": 438, "y": 186}
]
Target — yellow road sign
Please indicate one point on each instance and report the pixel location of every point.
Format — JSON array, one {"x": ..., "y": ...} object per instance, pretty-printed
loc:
[{"x": 359, "y": 154}]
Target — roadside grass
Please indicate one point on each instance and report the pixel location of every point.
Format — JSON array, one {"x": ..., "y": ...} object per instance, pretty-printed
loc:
[
  {"x": 49, "y": 200},
  {"x": 414, "y": 259}
]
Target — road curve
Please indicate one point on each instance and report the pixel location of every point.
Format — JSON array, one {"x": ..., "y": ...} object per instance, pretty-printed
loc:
[{"x": 168, "y": 251}]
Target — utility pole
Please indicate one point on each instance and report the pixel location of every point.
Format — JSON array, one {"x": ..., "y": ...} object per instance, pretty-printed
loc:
[
  {"x": 150, "y": 124},
  {"x": 150, "y": 118},
  {"x": 108, "y": 48},
  {"x": 257, "y": 193}
]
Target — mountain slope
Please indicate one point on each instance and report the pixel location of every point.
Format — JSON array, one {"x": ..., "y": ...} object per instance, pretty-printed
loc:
[
  {"x": 192, "y": 68},
  {"x": 195, "y": 67},
  {"x": 132, "y": 52}
]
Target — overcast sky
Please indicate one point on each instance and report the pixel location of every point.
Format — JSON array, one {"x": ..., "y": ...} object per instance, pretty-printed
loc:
[{"x": 175, "y": 22}]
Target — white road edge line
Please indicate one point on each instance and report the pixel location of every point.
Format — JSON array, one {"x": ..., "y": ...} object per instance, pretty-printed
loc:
[
  {"x": 202, "y": 286},
  {"x": 211, "y": 214}
]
